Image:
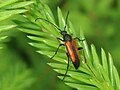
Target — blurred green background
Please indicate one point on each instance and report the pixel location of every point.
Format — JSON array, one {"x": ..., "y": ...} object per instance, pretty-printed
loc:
[{"x": 100, "y": 21}]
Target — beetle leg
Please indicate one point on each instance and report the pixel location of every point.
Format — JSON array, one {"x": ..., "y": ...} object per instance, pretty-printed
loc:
[
  {"x": 80, "y": 48},
  {"x": 59, "y": 39},
  {"x": 79, "y": 39},
  {"x": 56, "y": 50},
  {"x": 67, "y": 66}
]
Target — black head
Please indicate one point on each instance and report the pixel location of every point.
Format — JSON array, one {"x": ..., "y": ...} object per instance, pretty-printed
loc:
[{"x": 63, "y": 33}]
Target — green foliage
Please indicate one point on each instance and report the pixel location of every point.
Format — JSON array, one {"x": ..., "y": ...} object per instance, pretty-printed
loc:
[
  {"x": 7, "y": 10},
  {"x": 96, "y": 74},
  {"x": 14, "y": 74}
]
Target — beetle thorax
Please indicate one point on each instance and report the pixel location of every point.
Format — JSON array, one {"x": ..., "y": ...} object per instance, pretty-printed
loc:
[{"x": 67, "y": 37}]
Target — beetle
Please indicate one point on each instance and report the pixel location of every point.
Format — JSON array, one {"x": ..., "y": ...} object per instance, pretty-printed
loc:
[{"x": 69, "y": 43}]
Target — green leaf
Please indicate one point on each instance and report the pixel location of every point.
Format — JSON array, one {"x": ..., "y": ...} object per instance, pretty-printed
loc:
[
  {"x": 18, "y": 5},
  {"x": 104, "y": 61},
  {"x": 7, "y": 2},
  {"x": 82, "y": 87},
  {"x": 111, "y": 70},
  {"x": 6, "y": 27},
  {"x": 61, "y": 19},
  {"x": 117, "y": 78},
  {"x": 8, "y": 13},
  {"x": 2, "y": 38},
  {"x": 86, "y": 49},
  {"x": 95, "y": 57}
]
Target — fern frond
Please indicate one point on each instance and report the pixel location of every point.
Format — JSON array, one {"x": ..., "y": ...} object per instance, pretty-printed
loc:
[
  {"x": 8, "y": 9},
  {"x": 92, "y": 74},
  {"x": 13, "y": 75}
]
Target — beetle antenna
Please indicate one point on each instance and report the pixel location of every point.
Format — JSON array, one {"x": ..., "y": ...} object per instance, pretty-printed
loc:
[
  {"x": 66, "y": 21},
  {"x": 48, "y": 22}
]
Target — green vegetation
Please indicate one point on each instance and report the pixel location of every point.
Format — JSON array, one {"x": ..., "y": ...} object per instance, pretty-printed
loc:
[{"x": 26, "y": 45}]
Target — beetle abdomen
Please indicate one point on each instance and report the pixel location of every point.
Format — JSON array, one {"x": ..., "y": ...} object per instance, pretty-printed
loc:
[{"x": 73, "y": 52}]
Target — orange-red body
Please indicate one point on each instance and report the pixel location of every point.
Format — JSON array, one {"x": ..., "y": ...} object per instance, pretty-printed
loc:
[{"x": 72, "y": 51}]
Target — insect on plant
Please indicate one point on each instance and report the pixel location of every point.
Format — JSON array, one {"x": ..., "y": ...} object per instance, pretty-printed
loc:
[{"x": 69, "y": 43}]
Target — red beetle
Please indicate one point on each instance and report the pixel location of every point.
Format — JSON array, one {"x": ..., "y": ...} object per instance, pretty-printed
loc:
[{"x": 70, "y": 44}]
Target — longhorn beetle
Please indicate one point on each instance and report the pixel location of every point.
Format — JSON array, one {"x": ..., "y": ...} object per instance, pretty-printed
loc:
[{"x": 69, "y": 43}]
